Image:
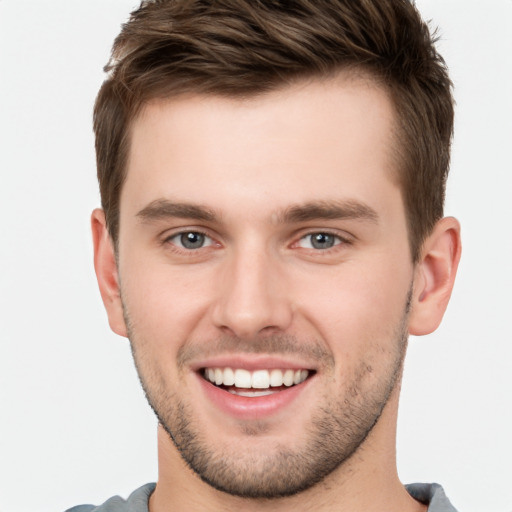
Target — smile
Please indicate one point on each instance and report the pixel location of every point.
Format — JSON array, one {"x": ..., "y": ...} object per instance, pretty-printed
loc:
[{"x": 254, "y": 383}]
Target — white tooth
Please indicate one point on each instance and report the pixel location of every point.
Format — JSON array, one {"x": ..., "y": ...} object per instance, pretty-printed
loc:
[
  {"x": 211, "y": 374},
  {"x": 303, "y": 375},
  {"x": 229, "y": 377},
  {"x": 260, "y": 379},
  {"x": 218, "y": 376},
  {"x": 288, "y": 378},
  {"x": 296, "y": 377},
  {"x": 276, "y": 378},
  {"x": 242, "y": 378}
]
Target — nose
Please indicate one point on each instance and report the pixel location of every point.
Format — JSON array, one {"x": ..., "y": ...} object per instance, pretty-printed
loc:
[{"x": 252, "y": 296}]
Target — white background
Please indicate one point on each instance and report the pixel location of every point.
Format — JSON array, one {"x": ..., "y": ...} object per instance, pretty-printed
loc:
[{"x": 74, "y": 425}]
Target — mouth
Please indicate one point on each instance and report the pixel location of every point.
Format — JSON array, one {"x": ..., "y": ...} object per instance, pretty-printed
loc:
[{"x": 257, "y": 383}]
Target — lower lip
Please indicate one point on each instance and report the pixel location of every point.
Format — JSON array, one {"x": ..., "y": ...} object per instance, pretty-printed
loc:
[{"x": 250, "y": 408}]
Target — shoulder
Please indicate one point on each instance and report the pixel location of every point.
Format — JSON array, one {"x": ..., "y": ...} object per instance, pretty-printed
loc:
[
  {"x": 432, "y": 495},
  {"x": 136, "y": 502}
]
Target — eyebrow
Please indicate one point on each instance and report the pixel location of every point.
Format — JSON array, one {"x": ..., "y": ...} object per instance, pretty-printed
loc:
[
  {"x": 328, "y": 210},
  {"x": 160, "y": 209},
  {"x": 163, "y": 209}
]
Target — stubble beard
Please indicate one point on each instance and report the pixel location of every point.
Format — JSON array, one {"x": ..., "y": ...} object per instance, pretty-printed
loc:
[{"x": 336, "y": 431}]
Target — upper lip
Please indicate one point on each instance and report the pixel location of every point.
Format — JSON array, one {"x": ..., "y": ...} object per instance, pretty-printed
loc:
[{"x": 253, "y": 362}]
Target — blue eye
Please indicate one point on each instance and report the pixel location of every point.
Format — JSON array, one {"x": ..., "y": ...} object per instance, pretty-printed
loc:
[
  {"x": 319, "y": 241},
  {"x": 191, "y": 240}
]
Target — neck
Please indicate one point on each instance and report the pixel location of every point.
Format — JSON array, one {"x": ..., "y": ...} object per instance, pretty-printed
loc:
[{"x": 363, "y": 483}]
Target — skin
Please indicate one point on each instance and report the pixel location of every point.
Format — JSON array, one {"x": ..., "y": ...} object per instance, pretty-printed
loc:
[{"x": 323, "y": 150}]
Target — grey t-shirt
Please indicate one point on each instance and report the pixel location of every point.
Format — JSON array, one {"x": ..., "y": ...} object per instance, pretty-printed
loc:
[{"x": 431, "y": 494}]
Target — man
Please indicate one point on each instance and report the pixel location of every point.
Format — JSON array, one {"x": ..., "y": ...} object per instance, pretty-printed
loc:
[{"x": 272, "y": 178}]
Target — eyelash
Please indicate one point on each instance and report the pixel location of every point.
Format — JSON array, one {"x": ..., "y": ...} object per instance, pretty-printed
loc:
[
  {"x": 339, "y": 241},
  {"x": 176, "y": 247}
]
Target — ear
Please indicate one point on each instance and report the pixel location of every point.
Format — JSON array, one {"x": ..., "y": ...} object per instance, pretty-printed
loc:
[
  {"x": 435, "y": 276},
  {"x": 106, "y": 272}
]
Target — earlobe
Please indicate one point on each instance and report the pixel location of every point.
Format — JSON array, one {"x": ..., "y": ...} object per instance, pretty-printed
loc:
[
  {"x": 106, "y": 272},
  {"x": 435, "y": 276}
]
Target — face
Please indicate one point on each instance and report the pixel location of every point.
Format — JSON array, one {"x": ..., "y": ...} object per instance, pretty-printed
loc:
[{"x": 265, "y": 276}]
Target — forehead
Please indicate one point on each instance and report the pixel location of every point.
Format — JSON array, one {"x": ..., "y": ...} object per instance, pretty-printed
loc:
[{"x": 303, "y": 142}]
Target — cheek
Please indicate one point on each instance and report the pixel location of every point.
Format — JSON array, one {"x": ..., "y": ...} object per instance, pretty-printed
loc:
[
  {"x": 165, "y": 303},
  {"x": 357, "y": 308}
]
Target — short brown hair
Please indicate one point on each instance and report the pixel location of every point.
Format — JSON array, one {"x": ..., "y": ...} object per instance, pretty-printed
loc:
[{"x": 248, "y": 47}]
